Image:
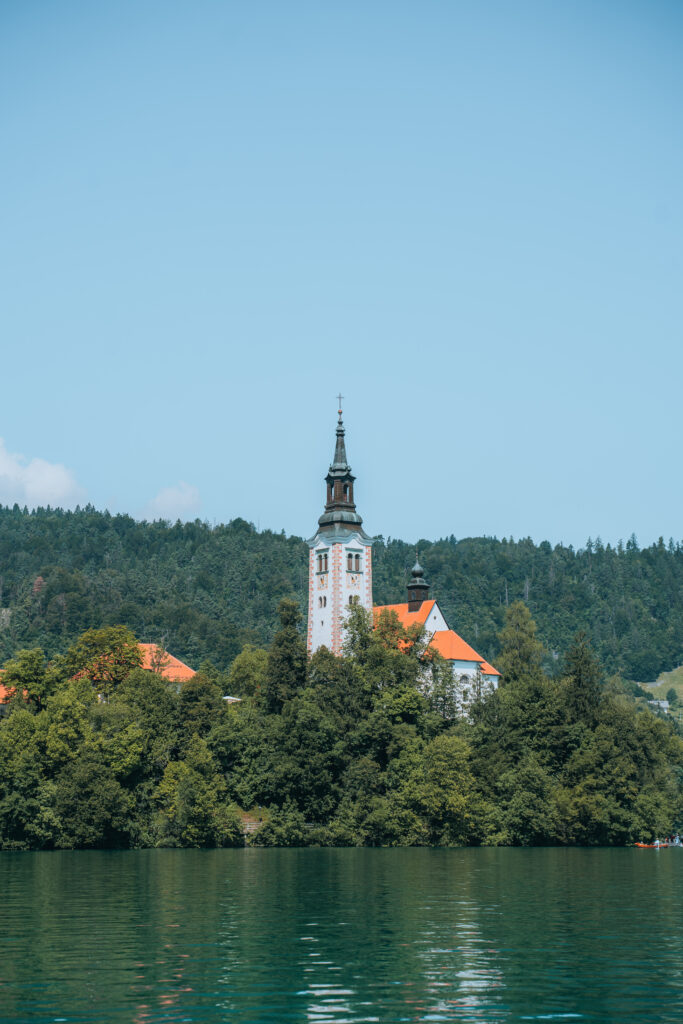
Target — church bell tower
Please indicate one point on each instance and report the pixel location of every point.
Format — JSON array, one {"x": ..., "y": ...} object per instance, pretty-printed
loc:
[{"x": 340, "y": 557}]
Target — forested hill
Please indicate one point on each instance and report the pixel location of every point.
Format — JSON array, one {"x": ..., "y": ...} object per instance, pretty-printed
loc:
[{"x": 206, "y": 591}]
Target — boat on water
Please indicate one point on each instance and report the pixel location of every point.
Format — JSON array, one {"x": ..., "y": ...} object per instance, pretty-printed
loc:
[{"x": 677, "y": 845}]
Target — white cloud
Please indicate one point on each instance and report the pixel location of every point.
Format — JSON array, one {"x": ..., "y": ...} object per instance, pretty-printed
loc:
[
  {"x": 181, "y": 501},
  {"x": 36, "y": 482}
]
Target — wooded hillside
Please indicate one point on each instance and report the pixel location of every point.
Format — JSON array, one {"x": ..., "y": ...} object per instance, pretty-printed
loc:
[{"x": 206, "y": 591}]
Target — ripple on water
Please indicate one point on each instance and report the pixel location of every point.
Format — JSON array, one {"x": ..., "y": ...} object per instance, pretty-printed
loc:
[{"x": 341, "y": 936}]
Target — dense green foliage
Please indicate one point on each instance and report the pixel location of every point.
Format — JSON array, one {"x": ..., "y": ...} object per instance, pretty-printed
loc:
[
  {"x": 366, "y": 749},
  {"x": 206, "y": 591}
]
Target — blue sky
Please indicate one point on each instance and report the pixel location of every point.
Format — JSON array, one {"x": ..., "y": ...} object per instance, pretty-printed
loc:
[{"x": 467, "y": 217}]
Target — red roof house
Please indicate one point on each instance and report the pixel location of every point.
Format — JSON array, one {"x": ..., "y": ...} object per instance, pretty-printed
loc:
[{"x": 465, "y": 663}]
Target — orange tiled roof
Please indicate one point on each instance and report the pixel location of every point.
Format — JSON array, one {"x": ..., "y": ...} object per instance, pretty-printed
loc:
[
  {"x": 7, "y": 692},
  {"x": 406, "y": 617},
  {"x": 453, "y": 647},
  {"x": 445, "y": 641},
  {"x": 173, "y": 669}
]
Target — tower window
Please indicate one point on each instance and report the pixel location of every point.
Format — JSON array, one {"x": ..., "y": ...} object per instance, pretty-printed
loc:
[
  {"x": 356, "y": 559},
  {"x": 346, "y": 492},
  {"x": 354, "y": 599},
  {"x": 322, "y": 562},
  {"x": 349, "y": 562}
]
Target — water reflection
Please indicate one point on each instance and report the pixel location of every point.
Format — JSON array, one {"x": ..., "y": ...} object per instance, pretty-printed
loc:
[
  {"x": 464, "y": 979},
  {"x": 342, "y": 935}
]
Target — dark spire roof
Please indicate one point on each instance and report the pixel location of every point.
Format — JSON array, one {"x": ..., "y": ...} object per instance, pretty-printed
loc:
[
  {"x": 340, "y": 509},
  {"x": 340, "y": 463},
  {"x": 418, "y": 588}
]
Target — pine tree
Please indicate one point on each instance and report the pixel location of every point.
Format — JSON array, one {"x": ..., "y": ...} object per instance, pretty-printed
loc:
[
  {"x": 521, "y": 652},
  {"x": 584, "y": 676},
  {"x": 287, "y": 659}
]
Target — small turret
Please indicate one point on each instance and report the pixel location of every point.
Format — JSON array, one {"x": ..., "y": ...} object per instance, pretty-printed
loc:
[{"x": 418, "y": 588}]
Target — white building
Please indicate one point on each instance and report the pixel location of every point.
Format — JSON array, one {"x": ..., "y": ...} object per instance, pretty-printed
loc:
[
  {"x": 340, "y": 575},
  {"x": 340, "y": 558},
  {"x": 469, "y": 669}
]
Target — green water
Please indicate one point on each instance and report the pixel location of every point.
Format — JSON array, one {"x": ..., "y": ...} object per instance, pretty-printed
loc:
[{"x": 342, "y": 935}]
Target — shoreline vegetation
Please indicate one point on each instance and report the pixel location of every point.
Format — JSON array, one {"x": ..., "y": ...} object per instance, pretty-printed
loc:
[{"x": 363, "y": 750}]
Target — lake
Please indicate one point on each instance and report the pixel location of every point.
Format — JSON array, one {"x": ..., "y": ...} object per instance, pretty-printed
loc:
[{"x": 342, "y": 935}]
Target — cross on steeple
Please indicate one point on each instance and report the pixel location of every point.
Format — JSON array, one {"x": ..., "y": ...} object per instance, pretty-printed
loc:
[{"x": 339, "y": 399}]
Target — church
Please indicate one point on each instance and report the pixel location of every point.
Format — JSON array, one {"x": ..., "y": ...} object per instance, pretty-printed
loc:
[{"x": 340, "y": 575}]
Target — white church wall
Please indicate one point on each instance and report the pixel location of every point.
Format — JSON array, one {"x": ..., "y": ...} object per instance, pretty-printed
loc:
[
  {"x": 435, "y": 622},
  {"x": 319, "y": 600},
  {"x": 331, "y": 592},
  {"x": 466, "y": 667}
]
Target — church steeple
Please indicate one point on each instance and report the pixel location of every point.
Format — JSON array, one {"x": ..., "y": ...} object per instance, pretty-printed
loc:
[
  {"x": 340, "y": 462},
  {"x": 340, "y": 557},
  {"x": 418, "y": 588},
  {"x": 339, "y": 506}
]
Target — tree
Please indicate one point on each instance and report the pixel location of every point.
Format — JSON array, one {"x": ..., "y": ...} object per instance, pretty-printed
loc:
[
  {"x": 200, "y": 705},
  {"x": 27, "y": 819},
  {"x": 529, "y": 811},
  {"x": 192, "y": 801},
  {"x": 521, "y": 653},
  {"x": 105, "y": 657},
  {"x": 91, "y": 805},
  {"x": 283, "y": 827},
  {"x": 152, "y": 703},
  {"x": 440, "y": 788},
  {"x": 672, "y": 696},
  {"x": 28, "y": 676},
  {"x": 584, "y": 676},
  {"x": 248, "y": 672},
  {"x": 287, "y": 659}
]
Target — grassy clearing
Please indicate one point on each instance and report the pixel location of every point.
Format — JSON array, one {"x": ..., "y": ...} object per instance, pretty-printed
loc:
[{"x": 665, "y": 682}]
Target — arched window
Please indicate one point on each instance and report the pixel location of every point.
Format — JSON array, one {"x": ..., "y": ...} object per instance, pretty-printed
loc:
[
  {"x": 346, "y": 492},
  {"x": 349, "y": 562},
  {"x": 325, "y": 562},
  {"x": 356, "y": 559}
]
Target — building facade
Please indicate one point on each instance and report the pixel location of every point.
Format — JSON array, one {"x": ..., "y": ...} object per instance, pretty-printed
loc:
[
  {"x": 340, "y": 576},
  {"x": 340, "y": 557},
  {"x": 472, "y": 675}
]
